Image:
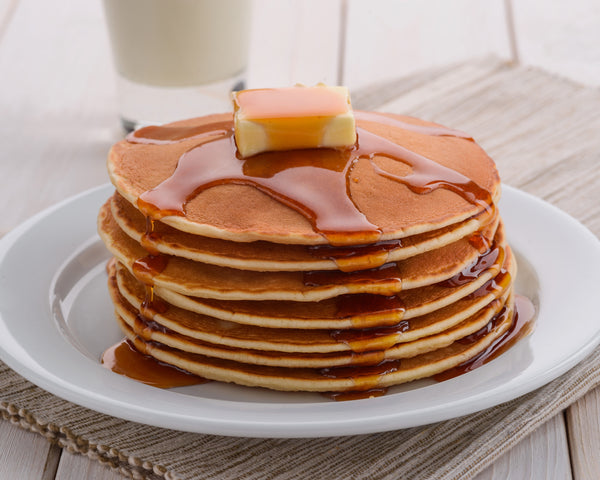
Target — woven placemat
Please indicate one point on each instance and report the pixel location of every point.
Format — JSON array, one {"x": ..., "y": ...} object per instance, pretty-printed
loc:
[{"x": 543, "y": 133}]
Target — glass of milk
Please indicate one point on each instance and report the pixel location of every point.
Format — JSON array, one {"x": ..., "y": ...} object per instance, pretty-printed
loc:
[{"x": 177, "y": 58}]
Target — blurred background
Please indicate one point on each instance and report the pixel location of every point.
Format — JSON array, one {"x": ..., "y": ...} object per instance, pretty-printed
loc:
[{"x": 58, "y": 81}]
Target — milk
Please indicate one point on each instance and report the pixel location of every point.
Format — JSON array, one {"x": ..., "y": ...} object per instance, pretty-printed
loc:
[{"x": 177, "y": 58}]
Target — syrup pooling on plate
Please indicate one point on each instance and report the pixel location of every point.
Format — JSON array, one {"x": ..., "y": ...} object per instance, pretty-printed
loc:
[
  {"x": 314, "y": 182},
  {"x": 124, "y": 359}
]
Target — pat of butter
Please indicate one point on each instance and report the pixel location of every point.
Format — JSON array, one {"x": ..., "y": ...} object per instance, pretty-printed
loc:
[{"x": 292, "y": 118}]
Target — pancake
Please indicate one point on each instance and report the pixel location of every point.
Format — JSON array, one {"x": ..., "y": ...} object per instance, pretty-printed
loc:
[
  {"x": 369, "y": 188},
  {"x": 266, "y": 256},
  {"x": 385, "y": 374},
  {"x": 210, "y": 281},
  {"x": 152, "y": 332},
  {"x": 129, "y": 296},
  {"x": 345, "y": 311},
  {"x": 324, "y": 270}
]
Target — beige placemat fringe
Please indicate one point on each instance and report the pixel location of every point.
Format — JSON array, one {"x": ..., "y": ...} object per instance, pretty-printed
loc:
[{"x": 543, "y": 133}]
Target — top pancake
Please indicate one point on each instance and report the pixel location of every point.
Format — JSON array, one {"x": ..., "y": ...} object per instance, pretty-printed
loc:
[{"x": 243, "y": 212}]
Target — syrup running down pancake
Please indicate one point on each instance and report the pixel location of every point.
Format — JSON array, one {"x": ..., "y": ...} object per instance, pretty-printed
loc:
[{"x": 320, "y": 269}]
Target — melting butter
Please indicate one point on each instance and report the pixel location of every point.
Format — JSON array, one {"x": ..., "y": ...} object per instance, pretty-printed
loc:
[{"x": 271, "y": 119}]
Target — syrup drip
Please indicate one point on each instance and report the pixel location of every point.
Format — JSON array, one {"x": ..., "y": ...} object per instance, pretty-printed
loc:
[
  {"x": 364, "y": 377},
  {"x": 150, "y": 238},
  {"x": 521, "y": 326},
  {"x": 144, "y": 328},
  {"x": 289, "y": 177},
  {"x": 497, "y": 284},
  {"x": 314, "y": 182},
  {"x": 124, "y": 359},
  {"x": 152, "y": 304},
  {"x": 426, "y": 175},
  {"x": 146, "y": 268},
  {"x": 486, "y": 329},
  {"x": 485, "y": 217},
  {"x": 356, "y": 305},
  {"x": 472, "y": 272},
  {"x": 482, "y": 243},
  {"x": 357, "y": 257},
  {"x": 366, "y": 339},
  {"x": 387, "y": 277}
]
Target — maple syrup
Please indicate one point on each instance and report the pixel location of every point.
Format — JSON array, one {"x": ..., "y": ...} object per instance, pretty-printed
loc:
[
  {"x": 364, "y": 377},
  {"x": 522, "y": 324},
  {"x": 123, "y": 358},
  {"x": 313, "y": 182}
]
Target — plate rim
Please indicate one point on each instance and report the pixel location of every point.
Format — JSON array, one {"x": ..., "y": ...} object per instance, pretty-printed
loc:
[{"x": 277, "y": 428}]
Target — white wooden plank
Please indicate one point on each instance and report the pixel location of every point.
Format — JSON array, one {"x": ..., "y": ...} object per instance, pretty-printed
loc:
[
  {"x": 74, "y": 466},
  {"x": 7, "y": 8},
  {"x": 543, "y": 454},
  {"x": 294, "y": 41},
  {"x": 388, "y": 39},
  {"x": 583, "y": 426},
  {"x": 562, "y": 36},
  {"x": 58, "y": 106},
  {"x": 23, "y": 454}
]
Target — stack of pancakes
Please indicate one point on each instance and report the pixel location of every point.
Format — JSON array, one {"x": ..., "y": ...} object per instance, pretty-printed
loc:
[{"x": 393, "y": 267}]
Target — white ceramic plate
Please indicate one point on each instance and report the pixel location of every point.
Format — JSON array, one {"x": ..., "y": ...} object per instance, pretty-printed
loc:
[{"x": 56, "y": 319}]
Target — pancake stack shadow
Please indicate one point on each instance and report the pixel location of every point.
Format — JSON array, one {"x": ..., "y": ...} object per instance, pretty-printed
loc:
[{"x": 231, "y": 289}]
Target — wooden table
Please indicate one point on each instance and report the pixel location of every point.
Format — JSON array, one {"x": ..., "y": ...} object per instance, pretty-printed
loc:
[{"x": 59, "y": 117}]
